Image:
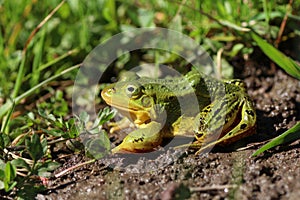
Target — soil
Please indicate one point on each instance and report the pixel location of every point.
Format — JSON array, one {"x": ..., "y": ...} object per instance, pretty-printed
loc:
[{"x": 224, "y": 173}]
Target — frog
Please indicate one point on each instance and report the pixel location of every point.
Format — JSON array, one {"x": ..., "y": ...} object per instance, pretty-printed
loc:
[{"x": 209, "y": 110}]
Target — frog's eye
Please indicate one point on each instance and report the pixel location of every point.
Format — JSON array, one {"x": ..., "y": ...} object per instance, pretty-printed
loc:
[{"x": 133, "y": 91}]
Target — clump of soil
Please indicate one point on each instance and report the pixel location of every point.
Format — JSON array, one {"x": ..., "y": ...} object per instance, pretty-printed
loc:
[{"x": 222, "y": 173}]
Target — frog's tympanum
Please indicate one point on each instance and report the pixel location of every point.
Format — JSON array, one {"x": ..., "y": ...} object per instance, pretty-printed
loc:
[{"x": 213, "y": 111}]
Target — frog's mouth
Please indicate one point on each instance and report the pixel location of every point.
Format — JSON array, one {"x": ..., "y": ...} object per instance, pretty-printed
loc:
[
  {"x": 138, "y": 116},
  {"x": 134, "y": 112}
]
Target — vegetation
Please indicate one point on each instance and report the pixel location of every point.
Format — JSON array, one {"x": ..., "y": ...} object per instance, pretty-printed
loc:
[{"x": 42, "y": 44}]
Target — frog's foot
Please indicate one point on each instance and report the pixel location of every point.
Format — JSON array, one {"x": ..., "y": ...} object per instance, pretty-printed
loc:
[
  {"x": 119, "y": 125},
  {"x": 144, "y": 139}
]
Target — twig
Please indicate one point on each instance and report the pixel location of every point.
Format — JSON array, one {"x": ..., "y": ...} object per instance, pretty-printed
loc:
[
  {"x": 253, "y": 145},
  {"x": 283, "y": 24},
  {"x": 210, "y": 188},
  {"x": 14, "y": 156},
  {"x": 73, "y": 167},
  {"x": 219, "y": 63},
  {"x": 32, "y": 34},
  {"x": 180, "y": 8}
]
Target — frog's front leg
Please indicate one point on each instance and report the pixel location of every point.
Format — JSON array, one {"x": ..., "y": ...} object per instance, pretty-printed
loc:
[
  {"x": 224, "y": 125},
  {"x": 144, "y": 139},
  {"x": 122, "y": 124}
]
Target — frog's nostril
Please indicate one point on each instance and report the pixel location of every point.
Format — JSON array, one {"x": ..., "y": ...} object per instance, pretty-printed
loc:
[{"x": 111, "y": 90}]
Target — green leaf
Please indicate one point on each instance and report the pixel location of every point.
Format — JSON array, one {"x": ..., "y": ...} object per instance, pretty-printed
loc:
[
  {"x": 105, "y": 115},
  {"x": 98, "y": 147},
  {"x": 20, "y": 163},
  {"x": 4, "y": 140},
  {"x": 54, "y": 132},
  {"x": 2, "y": 174},
  {"x": 109, "y": 11},
  {"x": 286, "y": 63},
  {"x": 44, "y": 144},
  {"x": 287, "y": 137},
  {"x": 176, "y": 24},
  {"x": 2, "y": 185},
  {"x": 44, "y": 173},
  {"x": 145, "y": 17},
  {"x": 2, "y": 165},
  {"x": 73, "y": 129},
  {"x": 11, "y": 186},
  {"x": 84, "y": 117},
  {"x": 46, "y": 168},
  {"x": 45, "y": 115},
  {"x": 10, "y": 174},
  {"x": 34, "y": 147},
  {"x": 236, "y": 48},
  {"x": 51, "y": 166}
]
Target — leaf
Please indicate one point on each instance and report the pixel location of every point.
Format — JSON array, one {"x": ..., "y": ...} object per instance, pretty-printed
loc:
[
  {"x": 8, "y": 172},
  {"x": 2, "y": 185},
  {"x": 2, "y": 174},
  {"x": 4, "y": 140},
  {"x": 287, "y": 137},
  {"x": 73, "y": 129},
  {"x": 84, "y": 117},
  {"x": 98, "y": 147},
  {"x": 176, "y": 24},
  {"x": 34, "y": 147},
  {"x": 145, "y": 17},
  {"x": 105, "y": 115},
  {"x": 11, "y": 186},
  {"x": 47, "y": 116},
  {"x": 286, "y": 63},
  {"x": 46, "y": 168},
  {"x": 51, "y": 166},
  {"x": 54, "y": 132},
  {"x": 109, "y": 11},
  {"x": 44, "y": 144},
  {"x": 42, "y": 172},
  {"x": 236, "y": 48},
  {"x": 20, "y": 163}
]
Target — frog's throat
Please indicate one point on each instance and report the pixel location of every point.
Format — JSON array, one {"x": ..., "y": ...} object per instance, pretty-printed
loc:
[{"x": 138, "y": 116}]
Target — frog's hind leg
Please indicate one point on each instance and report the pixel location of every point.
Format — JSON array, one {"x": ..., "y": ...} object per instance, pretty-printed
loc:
[
  {"x": 210, "y": 122},
  {"x": 239, "y": 123}
]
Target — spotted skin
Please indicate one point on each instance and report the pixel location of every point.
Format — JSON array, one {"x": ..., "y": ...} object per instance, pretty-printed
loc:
[{"x": 214, "y": 111}]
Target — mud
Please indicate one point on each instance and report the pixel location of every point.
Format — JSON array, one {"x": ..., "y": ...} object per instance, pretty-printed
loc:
[{"x": 229, "y": 172}]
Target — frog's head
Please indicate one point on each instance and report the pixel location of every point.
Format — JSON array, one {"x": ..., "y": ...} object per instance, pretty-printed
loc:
[{"x": 130, "y": 99}]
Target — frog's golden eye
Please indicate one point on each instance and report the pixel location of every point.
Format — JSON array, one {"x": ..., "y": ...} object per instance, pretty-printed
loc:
[{"x": 133, "y": 91}]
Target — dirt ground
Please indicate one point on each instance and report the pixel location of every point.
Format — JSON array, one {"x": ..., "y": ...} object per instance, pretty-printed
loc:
[{"x": 224, "y": 173}]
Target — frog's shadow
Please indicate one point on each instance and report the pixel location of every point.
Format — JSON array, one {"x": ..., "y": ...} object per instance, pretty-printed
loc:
[{"x": 263, "y": 123}]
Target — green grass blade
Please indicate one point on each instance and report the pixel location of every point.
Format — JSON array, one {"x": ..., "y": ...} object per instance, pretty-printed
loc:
[
  {"x": 59, "y": 58},
  {"x": 6, "y": 119},
  {"x": 286, "y": 63},
  {"x": 8, "y": 105},
  {"x": 287, "y": 137},
  {"x": 20, "y": 76},
  {"x": 37, "y": 59}
]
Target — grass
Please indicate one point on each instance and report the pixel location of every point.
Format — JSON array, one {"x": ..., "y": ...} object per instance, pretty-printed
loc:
[{"x": 43, "y": 43}]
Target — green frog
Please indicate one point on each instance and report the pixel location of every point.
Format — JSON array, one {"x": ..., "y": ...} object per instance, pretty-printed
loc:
[{"x": 195, "y": 105}]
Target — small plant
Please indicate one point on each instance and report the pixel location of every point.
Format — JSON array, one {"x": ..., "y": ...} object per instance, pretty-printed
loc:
[
  {"x": 30, "y": 160},
  {"x": 8, "y": 174},
  {"x": 95, "y": 139}
]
